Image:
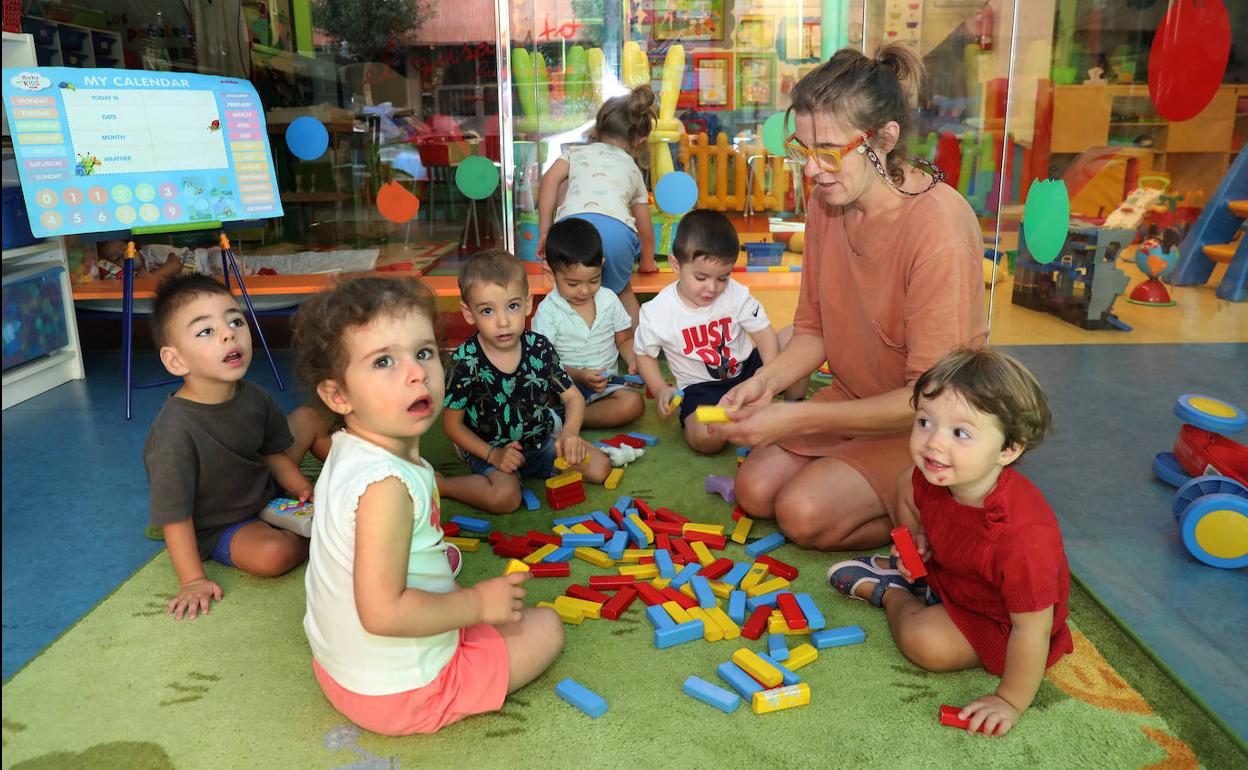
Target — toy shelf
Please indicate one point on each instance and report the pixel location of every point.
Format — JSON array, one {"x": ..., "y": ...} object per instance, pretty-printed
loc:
[
  {"x": 28, "y": 380},
  {"x": 60, "y": 44}
]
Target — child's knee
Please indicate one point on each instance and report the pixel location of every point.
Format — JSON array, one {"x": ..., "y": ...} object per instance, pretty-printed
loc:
[
  {"x": 278, "y": 554},
  {"x": 699, "y": 440},
  {"x": 634, "y": 405},
  {"x": 924, "y": 649},
  {"x": 548, "y": 625},
  {"x": 505, "y": 495}
]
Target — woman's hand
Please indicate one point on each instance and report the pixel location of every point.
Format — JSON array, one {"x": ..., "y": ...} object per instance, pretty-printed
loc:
[
  {"x": 752, "y": 392},
  {"x": 758, "y": 426}
]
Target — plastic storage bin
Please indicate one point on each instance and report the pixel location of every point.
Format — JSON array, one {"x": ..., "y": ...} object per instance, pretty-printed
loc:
[
  {"x": 16, "y": 225},
  {"x": 73, "y": 39},
  {"x": 763, "y": 254},
  {"x": 42, "y": 31},
  {"x": 33, "y": 314}
]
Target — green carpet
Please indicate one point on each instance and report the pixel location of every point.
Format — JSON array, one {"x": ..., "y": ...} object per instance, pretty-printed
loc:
[{"x": 127, "y": 687}]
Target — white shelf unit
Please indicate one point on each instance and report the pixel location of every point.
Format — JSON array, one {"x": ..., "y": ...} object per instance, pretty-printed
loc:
[{"x": 28, "y": 380}]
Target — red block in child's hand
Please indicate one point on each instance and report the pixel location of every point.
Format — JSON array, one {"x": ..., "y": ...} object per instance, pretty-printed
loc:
[
  {"x": 909, "y": 552},
  {"x": 949, "y": 718}
]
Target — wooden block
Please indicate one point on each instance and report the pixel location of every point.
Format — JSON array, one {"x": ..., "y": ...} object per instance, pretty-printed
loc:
[{"x": 613, "y": 478}]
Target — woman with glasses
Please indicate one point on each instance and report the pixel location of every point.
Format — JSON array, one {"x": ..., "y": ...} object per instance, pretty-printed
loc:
[{"x": 892, "y": 280}]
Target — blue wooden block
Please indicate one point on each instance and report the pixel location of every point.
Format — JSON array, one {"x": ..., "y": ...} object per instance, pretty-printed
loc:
[
  {"x": 744, "y": 451},
  {"x": 572, "y": 521},
  {"x": 559, "y": 554},
  {"x": 635, "y": 534},
  {"x": 602, "y": 445},
  {"x": 710, "y": 694},
  {"x": 659, "y": 617},
  {"x": 733, "y": 576},
  {"x": 623, "y": 503},
  {"x": 837, "y": 637},
  {"x": 530, "y": 500},
  {"x": 577, "y": 540},
  {"x": 604, "y": 521},
  {"x": 789, "y": 676},
  {"x": 615, "y": 548},
  {"x": 777, "y": 646},
  {"x": 632, "y": 512},
  {"x": 754, "y": 602},
  {"x": 681, "y": 633},
  {"x": 737, "y": 679},
  {"x": 736, "y": 607},
  {"x": 586, "y": 700},
  {"x": 663, "y": 560},
  {"x": 469, "y": 524},
  {"x": 685, "y": 575},
  {"x": 764, "y": 545},
  {"x": 702, "y": 590},
  {"x": 646, "y": 437},
  {"x": 814, "y": 618}
]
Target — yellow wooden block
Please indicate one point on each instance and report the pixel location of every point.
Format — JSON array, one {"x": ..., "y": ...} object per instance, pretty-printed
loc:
[
  {"x": 633, "y": 555},
  {"x": 753, "y": 577},
  {"x": 712, "y": 414},
  {"x": 776, "y": 624},
  {"x": 756, "y": 667},
  {"x": 562, "y": 529},
  {"x": 687, "y": 590},
  {"x": 613, "y": 478},
  {"x": 767, "y": 586},
  {"x": 467, "y": 544},
  {"x": 661, "y": 583},
  {"x": 563, "y": 479},
  {"x": 730, "y": 629},
  {"x": 711, "y": 631},
  {"x": 801, "y": 655},
  {"x": 710, "y": 529},
  {"x": 702, "y": 552},
  {"x": 566, "y": 613},
  {"x": 562, "y": 464},
  {"x": 721, "y": 590},
  {"x": 645, "y": 528},
  {"x": 581, "y": 529},
  {"x": 640, "y": 571},
  {"x": 677, "y": 612},
  {"x": 515, "y": 565},
  {"x": 593, "y": 556},
  {"x": 674, "y": 404},
  {"x": 780, "y": 698},
  {"x": 540, "y": 553},
  {"x": 742, "y": 530},
  {"x": 588, "y": 609}
]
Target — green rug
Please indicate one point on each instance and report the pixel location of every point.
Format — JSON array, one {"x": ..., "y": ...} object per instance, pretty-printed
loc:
[{"x": 127, "y": 687}]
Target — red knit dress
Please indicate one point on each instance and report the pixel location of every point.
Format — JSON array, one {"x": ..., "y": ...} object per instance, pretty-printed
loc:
[{"x": 988, "y": 562}]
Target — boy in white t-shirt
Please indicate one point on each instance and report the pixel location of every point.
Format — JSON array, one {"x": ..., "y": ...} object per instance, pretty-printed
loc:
[
  {"x": 588, "y": 325},
  {"x": 706, "y": 325}
]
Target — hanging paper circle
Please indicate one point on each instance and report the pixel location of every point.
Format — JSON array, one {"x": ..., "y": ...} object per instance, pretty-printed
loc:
[
  {"x": 476, "y": 177},
  {"x": 676, "y": 193},
  {"x": 775, "y": 131},
  {"x": 1046, "y": 219},
  {"x": 396, "y": 203},
  {"x": 1188, "y": 58},
  {"x": 307, "y": 138}
]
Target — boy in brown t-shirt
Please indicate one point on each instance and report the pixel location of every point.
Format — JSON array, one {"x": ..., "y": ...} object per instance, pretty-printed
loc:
[{"x": 215, "y": 455}]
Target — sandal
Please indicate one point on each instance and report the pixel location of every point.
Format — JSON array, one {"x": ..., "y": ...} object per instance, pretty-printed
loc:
[
  {"x": 848, "y": 575},
  {"x": 869, "y": 560}
]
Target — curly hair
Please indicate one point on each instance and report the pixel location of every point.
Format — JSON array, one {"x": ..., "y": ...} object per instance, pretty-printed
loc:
[
  {"x": 320, "y": 327},
  {"x": 994, "y": 384}
]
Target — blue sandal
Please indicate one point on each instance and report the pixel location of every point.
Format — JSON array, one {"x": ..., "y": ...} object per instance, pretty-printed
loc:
[{"x": 847, "y": 575}]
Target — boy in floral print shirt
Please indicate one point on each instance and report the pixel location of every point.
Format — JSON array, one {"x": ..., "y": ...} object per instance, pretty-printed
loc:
[{"x": 500, "y": 392}]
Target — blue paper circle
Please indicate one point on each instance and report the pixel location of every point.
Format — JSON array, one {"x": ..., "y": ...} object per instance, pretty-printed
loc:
[
  {"x": 307, "y": 138},
  {"x": 676, "y": 193}
]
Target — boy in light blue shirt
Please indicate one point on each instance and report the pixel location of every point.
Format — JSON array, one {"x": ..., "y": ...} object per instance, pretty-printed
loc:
[{"x": 588, "y": 325}]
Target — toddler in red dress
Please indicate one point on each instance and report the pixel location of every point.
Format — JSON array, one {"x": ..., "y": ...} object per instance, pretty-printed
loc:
[{"x": 998, "y": 581}]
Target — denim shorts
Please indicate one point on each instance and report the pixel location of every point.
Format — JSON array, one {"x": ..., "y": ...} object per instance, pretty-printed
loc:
[
  {"x": 620, "y": 249},
  {"x": 538, "y": 463}
]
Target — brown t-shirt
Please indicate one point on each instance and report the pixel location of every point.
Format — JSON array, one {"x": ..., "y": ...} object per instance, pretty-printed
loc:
[
  {"x": 205, "y": 462},
  {"x": 907, "y": 291}
]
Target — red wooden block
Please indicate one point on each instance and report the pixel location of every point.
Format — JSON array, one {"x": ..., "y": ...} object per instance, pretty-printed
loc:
[
  {"x": 568, "y": 490},
  {"x": 635, "y": 443},
  {"x": 712, "y": 541},
  {"x": 557, "y": 499},
  {"x": 650, "y": 594},
  {"x": 667, "y": 514},
  {"x": 684, "y": 600},
  {"x": 513, "y": 549},
  {"x": 597, "y": 529},
  {"x": 610, "y": 582},
  {"x": 949, "y": 718},
  {"x": 542, "y": 538},
  {"x": 646, "y": 511},
  {"x": 737, "y": 513},
  {"x": 616, "y": 605},
  {"x": 616, "y": 516},
  {"x": 662, "y": 542},
  {"x": 615, "y": 442},
  {"x": 646, "y": 560},
  {"x": 909, "y": 552},
  {"x": 687, "y": 556},
  {"x": 778, "y": 568},
  {"x": 450, "y": 528},
  {"x": 716, "y": 569},
  {"x": 793, "y": 616},
  {"x": 549, "y": 569},
  {"x": 589, "y": 594},
  {"x": 496, "y": 537},
  {"x": 753, "y": 627},
  {"x": 666, "y": 527}
]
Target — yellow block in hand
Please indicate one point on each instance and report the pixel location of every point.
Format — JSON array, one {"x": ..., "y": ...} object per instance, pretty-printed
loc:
[
  {"x": 562, "y": 464},
  {"x": 515, "y": 565},
  {"x": 712, "y": 414}
]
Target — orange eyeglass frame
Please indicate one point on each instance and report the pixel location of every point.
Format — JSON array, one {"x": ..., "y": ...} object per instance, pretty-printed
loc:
[{"x": 829, "y": 160}]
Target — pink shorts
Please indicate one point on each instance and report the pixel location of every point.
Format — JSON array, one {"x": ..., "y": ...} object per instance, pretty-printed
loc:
[{"x": 474, "y": 681}]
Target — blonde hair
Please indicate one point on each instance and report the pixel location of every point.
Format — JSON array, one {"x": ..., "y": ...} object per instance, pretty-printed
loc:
[
  {"x": 865, "y": 93},
  {"x": 627, "y": 119}
]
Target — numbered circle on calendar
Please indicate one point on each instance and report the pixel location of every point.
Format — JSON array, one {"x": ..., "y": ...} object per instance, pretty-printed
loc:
[
  {"x": 122, "y": 193},
  {"x": 72, "y": 196},
  {"x": 145, "y": 192},
  {"x": 46, "y": 198},
  {"x": 97, "y": 195},
  {"x": 126, "y": 214},
  {"x": 148, "y": 212},
  {"x": 76, "y": 218},
  {"x": 171, "y": 210},
  {"x": 50, "y": 220},
  {"x": 101, "y": 216},
  {"x": 167, "y": 191}
]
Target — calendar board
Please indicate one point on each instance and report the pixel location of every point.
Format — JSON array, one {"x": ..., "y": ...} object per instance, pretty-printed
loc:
[{"x": 102, "y": 149}]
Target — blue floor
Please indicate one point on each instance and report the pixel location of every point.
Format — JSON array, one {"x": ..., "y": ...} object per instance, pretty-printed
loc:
[{"x": 75, "y": 501}]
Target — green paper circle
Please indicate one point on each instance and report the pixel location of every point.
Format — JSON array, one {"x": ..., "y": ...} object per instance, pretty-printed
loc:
[
  {"x": 476, "y": 177},
  {"x": 775, "y": 131},
  {"x": 1046, "y": 219}
]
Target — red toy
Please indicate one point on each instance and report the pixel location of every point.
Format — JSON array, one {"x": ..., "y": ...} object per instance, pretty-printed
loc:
[
  {"x": 754, "y": 626},
  {"x": 549, "y": 569},
  {"x": 616, "y": 605},
  {"x": 1198, "y": 450},
  {"x": 778, "y": 568},
  {"x": 909, "y": 552},
  {"x": 949, "y": 718},
  {"x": 793, "y": 616}
]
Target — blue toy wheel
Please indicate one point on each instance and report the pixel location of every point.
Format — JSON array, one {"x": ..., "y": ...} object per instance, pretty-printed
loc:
[
  {"x": 1167, "y": 468},
  {"x": 1199, "y": 486},
  {"x": 1211, "y": 414},
  {"x": 1215, "y": 530}
]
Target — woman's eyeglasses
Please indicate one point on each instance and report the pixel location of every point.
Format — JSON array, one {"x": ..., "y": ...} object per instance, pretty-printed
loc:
[{"x": 828, "y": 159}]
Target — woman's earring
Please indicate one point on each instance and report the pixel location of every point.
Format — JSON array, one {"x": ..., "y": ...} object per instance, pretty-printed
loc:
[{"x": 862, "y": 148}]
